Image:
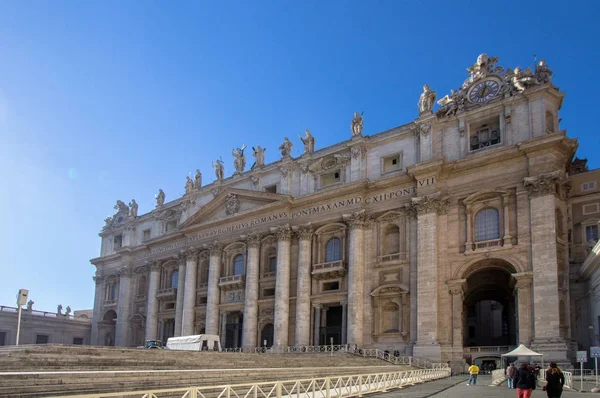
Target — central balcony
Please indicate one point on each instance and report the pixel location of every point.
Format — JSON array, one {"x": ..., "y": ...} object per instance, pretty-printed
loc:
[
  {"x": 329, "y": 270},
  {"x": 232, "y": 282},
  {"x": 167, "y": 293}
]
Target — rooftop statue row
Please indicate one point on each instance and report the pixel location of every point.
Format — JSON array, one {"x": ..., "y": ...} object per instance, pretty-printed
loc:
[{"x": 485, "y": 83}]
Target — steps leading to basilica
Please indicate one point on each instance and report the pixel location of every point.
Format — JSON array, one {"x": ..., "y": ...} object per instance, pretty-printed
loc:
[{"x": 36, "y": 371}]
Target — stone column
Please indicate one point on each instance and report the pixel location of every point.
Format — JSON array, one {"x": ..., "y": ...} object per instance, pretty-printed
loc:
[
  {"x": 523, "y": 288},
  {"x": 428, "y": 207},
  {"x": 356, "y": 269},
  {"x": 469, "y": 242},
  {"x": 282, "y": 285},
  {"x": 124, "y": 306},
  {"x": 305, "y": 234},
  {"x": 180, "y": 297},
  {"x": 544, "y": 254},
  {"x": 507, "y": 240},
  {"x": 250, "y": 326},
  {"x": 214, "y": 293},
  {"x": 457, "y": 290},
  {"x": 317, "y": 324},
  {"x": 344, "y": 304},
  {"x": 152, "y": 311},
  {"x": 224, "y": 328},
  {"x": 189, "y": 298},
  {"x": 98, "y": 299},
  {"x": 405, "y": 314}
]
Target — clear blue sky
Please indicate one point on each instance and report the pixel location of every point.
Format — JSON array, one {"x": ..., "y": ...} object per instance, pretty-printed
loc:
[{"x": 111, "y": 100}]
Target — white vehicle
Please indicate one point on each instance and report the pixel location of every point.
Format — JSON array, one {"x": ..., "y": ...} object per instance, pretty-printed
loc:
[{"x": 198, "y": 342}]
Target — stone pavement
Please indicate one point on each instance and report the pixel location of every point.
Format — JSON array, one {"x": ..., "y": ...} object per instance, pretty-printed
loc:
[{"x": 455, "y": 387}]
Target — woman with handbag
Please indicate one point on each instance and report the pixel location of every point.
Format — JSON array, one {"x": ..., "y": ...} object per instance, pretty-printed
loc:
[{"x": 556, "y": 381}]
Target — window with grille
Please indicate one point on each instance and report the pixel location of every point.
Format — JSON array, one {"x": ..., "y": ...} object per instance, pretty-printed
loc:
[
  {"x": 175, "y": 279},
  {"x": 485, "y": 136},
  {"x": 333, "y": 250},
  {"x": 238, "y": 265},
  {"x": 588, "y": 186},
  {"x": 487, "y": 225},
  {"x": 591, "y": 233}
]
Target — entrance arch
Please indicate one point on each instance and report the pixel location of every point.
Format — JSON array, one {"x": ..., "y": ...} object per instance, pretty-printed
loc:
[
  {"x": 266, "y": 335},
  {"x": 108, "y": 327}
]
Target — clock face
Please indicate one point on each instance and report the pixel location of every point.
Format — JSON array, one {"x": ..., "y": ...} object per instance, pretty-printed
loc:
[{"x": 484, "y": 91}]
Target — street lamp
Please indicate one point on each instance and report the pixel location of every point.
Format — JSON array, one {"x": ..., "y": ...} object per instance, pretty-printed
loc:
[{"x": 21, "y": 300}]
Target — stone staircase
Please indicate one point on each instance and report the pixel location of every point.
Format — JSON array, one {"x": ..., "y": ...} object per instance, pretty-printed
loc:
[{"x": 36, "y": 371}]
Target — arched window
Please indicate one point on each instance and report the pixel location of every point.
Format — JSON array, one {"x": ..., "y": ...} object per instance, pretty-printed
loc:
[
  {"x": 113, "y": 291},
  {"x": 392, "y": 240},
  {"x": 238, "y": 265},
  {"x": 203, "y": 272},
  {"x": 333, "y": 250},
  {"x": 175, "y": 279},
  {"x": 266, "y": 335},
  {"x": 487, "y": 226},
  {"x": 142, "y": 285},
  {"x": 391, "y": 318}
]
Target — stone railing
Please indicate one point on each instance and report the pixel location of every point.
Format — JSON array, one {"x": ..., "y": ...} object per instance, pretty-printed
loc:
[
  {"x": 232, "y": 282},
  {"x": 391, "y": 257},
  {"x": 140, "y": 297},
  {"x": 336, "y": 386},
  {"x": 330, "y": 269},
  {"x": 26, "y": 312},
  {"x": 485, "y": 349},
  {"x": 110, "y": 302},
  {"x": 202, "y": 285},
  {"x": 486, "y": 244},
  {"x": 269, "y": 274},
  {"x": 165, "y": 293}
]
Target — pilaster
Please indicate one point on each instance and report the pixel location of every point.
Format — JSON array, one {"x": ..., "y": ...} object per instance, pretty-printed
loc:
[
  {"x": 282, "y": 285},
  {"x": 124, "y": 306},
  {"x": 213, "y": 298},
  {"x": 305, "y": 235},
  {"x": 152, "y": 311},
  {"x": 523, "y": 290},
  {"x": 250, "y": 326},
  {"x": 98, "y": 297},
  {"x": 180, "y": 296},
  {"x": 456, "y": 288},
  {"x": 189, "y": 298},
  {"x": 317, "y": 324}
]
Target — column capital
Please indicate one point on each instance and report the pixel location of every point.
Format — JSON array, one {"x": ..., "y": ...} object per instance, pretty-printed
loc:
[
  {"x": 304, "y": 232},
  {"x": 215, "y": 248},
  {"x": 317, "y": 306},
  {"x": 283, "y": 232},
  {"x": 358, "y": 219},
  {"x": 429, "y": 204},
  {"x": 457, "y": 286},
  {"x": 252, "y": 240},
  {"x": 191, "y": 254},
  {"x": 523, "y": 279},
  {"x": 125, "y": 272},
  {"x": 543, "y": 184},
  {"x": 344, "y": 303},
  {"x": 155, "y": 265},
  {"x": 98, "y": 279}
]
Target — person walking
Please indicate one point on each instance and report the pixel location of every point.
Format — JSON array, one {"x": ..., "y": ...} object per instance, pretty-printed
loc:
[
  {"x": 473, "y": 372},
  {"x": 510, "y": 374},
  {"x": 525, "y": 381},
  {"x": 556, "y": 381}
]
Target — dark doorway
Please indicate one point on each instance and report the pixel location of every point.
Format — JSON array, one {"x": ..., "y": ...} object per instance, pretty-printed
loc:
[
  {"x": 266, "y": 335},
  {"x": 168, "y": 329},
  {"x": 333, "y": 326},
  {"x": 233, "y": 330}
]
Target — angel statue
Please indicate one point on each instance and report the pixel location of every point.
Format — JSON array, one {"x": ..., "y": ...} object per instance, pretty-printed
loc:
[
  {"x": 259, "y": 155},
  {"x": 240, "y": 159},
  {"x": 133, "y": 208},
  {"x": 308, "y": 141},
  {"x": 198, "y": 179},
  {"x": 357, "y": 125},
  {"x": 160, "y": 198},
  {"x": 219, "y": 169},
  {"x": 522, "y": 80},
  {"x": 286, "y": 148},
  {"x": 189, "y": 185},
  {"x": 426, "y": 100}
]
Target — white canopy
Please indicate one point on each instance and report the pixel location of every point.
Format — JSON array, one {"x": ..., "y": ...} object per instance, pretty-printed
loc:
[
  {"x": 194, "y": 343},
  {"x": 522, "y": 351}
]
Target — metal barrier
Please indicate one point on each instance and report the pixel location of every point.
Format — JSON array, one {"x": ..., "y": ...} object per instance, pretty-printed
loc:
[
  {"x": 568, "y": 379},
  {"x": 322, "y": 387}
]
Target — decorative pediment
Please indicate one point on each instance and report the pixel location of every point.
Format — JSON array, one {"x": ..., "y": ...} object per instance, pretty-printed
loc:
[
  {"x": 389, "y": 290},
  {"x": 483, "y": 195},
  {"x": 233, "y": 202}
]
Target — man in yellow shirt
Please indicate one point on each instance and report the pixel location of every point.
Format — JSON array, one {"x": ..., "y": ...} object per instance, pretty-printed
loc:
[{"x": 473, "y": 372}]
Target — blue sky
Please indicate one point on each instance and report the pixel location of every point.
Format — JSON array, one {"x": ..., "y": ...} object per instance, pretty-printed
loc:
[{"x": 111, "y": 100}]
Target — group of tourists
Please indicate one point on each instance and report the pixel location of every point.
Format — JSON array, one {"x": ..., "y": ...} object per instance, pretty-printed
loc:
[{"x": 525, "y": 379}]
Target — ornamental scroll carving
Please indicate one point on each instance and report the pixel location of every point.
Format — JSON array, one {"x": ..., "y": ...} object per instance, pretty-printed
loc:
[
  {"x": 429, "y": 204},
  {"x": 544, "y": 184},
  {"x": 359, "y": 219},
  {"x": 253, "y": 240},
  {"x": 305, "y": 232},
  {"x": 283, "y": 233},
  {"x": 215, "y": 248}
]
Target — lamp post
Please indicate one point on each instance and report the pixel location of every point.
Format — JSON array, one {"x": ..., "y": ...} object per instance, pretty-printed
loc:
[{"x": 21, "y": 300}]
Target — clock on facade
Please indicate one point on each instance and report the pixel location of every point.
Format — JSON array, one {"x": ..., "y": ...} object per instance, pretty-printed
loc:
[{"x": 483, "y": 91}]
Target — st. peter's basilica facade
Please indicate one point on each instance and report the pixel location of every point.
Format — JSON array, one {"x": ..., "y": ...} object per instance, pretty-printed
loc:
[{"x": 441, "y": 235}]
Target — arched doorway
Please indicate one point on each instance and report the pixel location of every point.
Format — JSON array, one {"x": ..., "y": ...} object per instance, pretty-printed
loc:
[
  {"x": 266, "y": 335},
  {"x": 490, "y": 308},
  {"x": 108, "y": 327},
  {"x": 138, "y": 327}
]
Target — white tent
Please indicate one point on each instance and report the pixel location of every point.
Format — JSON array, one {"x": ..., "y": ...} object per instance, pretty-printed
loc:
[
  {"x": 194, "y": 343},
  {"x": 522, "y": 351}
]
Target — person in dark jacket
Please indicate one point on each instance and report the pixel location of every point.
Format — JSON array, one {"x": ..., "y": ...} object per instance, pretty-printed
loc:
[
  {"x": 556, "y": 381},
  {"x": 524, "y": 381}
]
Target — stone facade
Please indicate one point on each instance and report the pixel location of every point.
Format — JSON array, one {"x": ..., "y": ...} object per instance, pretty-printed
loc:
[{"x": 396, "y": 240}]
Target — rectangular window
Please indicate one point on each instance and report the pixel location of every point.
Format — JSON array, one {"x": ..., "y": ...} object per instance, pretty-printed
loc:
[
  {"x": 330, "y": 178},
  {"x": 272, "y": 264},
  {"x": 2, "y": 338},
  {"x": 146, "y": 235},
  {"x": 329, "y": 286},
  {"x": 169, "y": 306},
  {"x": 269, "y": 292},
  {"x": 171, "y": 225},
  {"x": 118, "y": 241},
  {"x": 391, "y": 163},
  {"x": 77, "y": 340},
  {"x": 591, "y": 208},
  {"x": 271, "y": 188},
  {"x": 485, "y": 135},
  {"x": 201, "y": 300},
  {"x": 591, "y": 233},
  {"x": 41, "y": 339},
  {"x": 588, "y": 186}
]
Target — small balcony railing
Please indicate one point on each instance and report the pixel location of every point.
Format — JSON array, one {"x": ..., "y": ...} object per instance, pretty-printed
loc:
[
  {"x": 167, "y": 293},
  {"x": 331, "y": 269},
  {"x": 232, "y": 282},
  {"x": 487, "y": 244},
  {"x": 140, "y": 297},
  {"x": 391, "y": 257},
  {"x": 270, "y": 274},
  {"x": 110, "y": 302}
]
